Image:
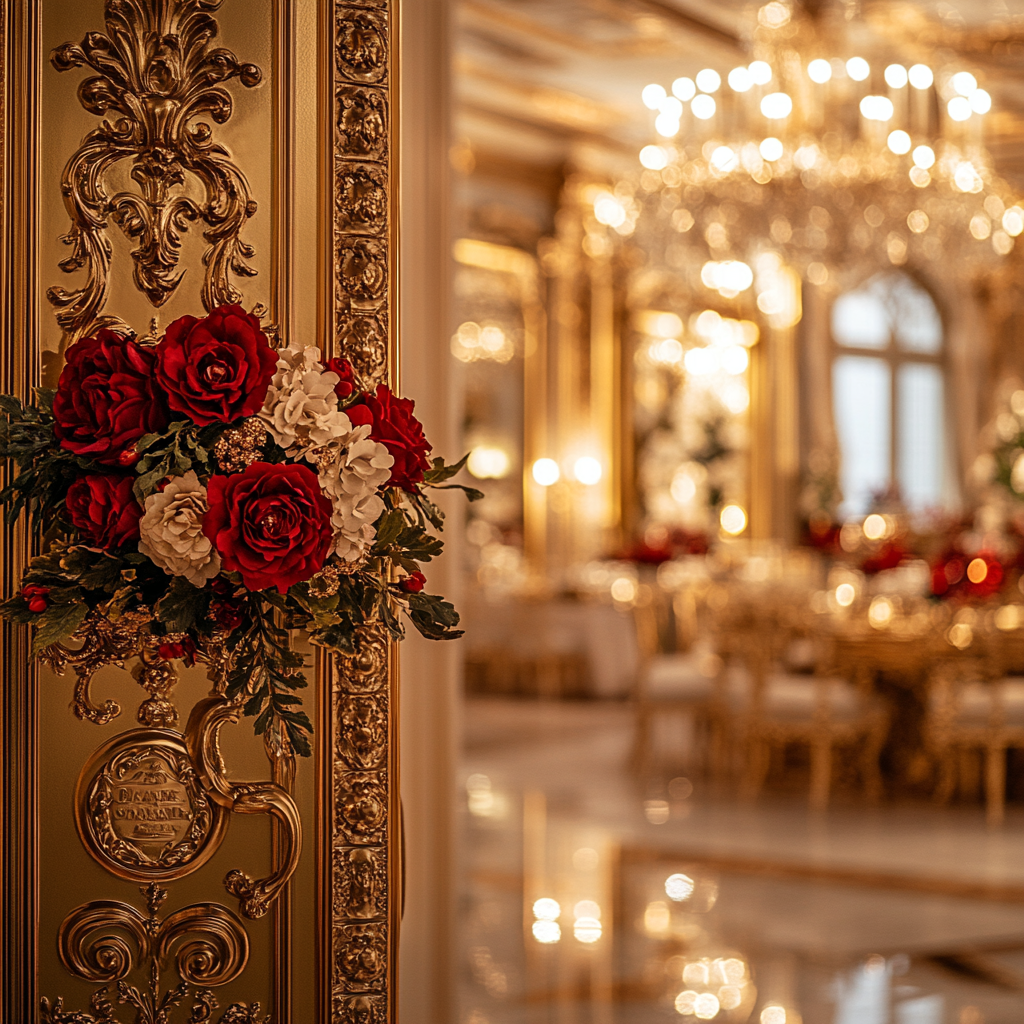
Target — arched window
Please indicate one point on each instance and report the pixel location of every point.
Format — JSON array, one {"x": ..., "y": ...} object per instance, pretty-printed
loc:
[{"x": 888, "y": 390}]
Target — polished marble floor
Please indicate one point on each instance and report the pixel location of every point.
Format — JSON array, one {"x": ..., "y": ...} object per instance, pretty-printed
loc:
[{"x": 590, "y": 896}]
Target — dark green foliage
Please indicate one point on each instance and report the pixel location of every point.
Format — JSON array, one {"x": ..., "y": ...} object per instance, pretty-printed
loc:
[{"x": 266, "y": 671}]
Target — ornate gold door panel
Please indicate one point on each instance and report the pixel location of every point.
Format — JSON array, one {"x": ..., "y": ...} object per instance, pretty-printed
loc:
[{"x": 160, "y": 863}]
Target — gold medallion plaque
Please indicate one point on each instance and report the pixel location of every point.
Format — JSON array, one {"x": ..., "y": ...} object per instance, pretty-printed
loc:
[{"x": 141, "y": 810}]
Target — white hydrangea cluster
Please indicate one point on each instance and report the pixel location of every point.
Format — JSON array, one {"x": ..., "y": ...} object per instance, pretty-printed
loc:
[
  {"x": 301, "y": 411},
  {"x": 352, "y": 469},
  {"x": 301, "y": 407},
  {"x": 171, "y": 531}
]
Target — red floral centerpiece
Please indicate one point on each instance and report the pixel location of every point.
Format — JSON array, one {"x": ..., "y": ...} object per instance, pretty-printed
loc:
[{"x": 213, "y": 492}]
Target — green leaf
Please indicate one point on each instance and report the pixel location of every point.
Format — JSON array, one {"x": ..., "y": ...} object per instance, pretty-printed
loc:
[
  {"x": 182, "y": 606},
  {"x": 440, "y": 472},
  {"x": 57, "y": 623},
  {"x": 148, "y": 482},
  {"x": 389, "y": 528},
  {"x": 471, "y": 492},
  {"x": 434, "y": 617}
]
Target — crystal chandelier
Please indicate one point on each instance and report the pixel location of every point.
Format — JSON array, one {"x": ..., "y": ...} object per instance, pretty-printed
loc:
[{"x": 829, "y": 158}]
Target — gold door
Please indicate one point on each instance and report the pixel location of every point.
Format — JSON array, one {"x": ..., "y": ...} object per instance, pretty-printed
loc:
[{"x": 160, "y": 863}]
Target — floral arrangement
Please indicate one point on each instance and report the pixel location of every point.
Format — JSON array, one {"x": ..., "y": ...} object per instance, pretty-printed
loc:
[{"x": 216, "y": 492}]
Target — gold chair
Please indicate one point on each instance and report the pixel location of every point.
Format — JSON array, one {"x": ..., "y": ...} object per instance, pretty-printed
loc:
[
  {"x": 679, "y": 683},
  {"x": 974, "y": 708},
  {"x": 823, "y": 710}
]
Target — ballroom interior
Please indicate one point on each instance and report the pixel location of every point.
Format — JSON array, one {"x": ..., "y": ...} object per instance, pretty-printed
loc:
[{"x": 736, "y": 308}]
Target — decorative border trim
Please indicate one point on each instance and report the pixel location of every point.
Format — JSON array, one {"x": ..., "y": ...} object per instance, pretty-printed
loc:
[
  {"x": 360, "y": 869},
  {"x": 19, "y": 373}
]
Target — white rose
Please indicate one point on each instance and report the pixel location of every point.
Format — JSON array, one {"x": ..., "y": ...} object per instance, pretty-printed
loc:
[
  {"x": 301, "y": 407},
  {"x": 171, "y": 531}
]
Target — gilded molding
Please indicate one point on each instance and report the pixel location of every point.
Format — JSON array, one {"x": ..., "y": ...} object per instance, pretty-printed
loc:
[
  {"x": 362, "y": 888},
  {"x": 254, "y": 895},
  {"x": 363, "y": 899},
  {"x": 156, "y": 77},
  {"x": 361, "y": 187},
  {"x": 105, "y": 941}
]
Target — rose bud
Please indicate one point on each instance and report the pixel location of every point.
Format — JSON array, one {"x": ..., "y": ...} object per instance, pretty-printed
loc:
[
  {"x": 128, "y": 457},
  {"x": 227, "y": 615},
  {"x": 413, "y": 583}
]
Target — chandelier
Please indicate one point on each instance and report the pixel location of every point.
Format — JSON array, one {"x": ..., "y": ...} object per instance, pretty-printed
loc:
[{"x": 816, "y": 152}]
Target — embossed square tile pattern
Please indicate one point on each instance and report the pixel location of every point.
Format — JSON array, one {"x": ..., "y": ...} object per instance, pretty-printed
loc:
[{"x": 590, "y": 895}]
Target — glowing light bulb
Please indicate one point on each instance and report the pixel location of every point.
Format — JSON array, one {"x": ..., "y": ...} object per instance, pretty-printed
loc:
[
  {"x": 708, "y": 80},
  {"x": 654, "y": 158},
  {"x": 959, "y": 108},
  {"x": 770, "y": 148},
  {"x": 760, "y": 72},
  {"x": 981, "y": 101},
  {"x": 679, "y": 887},
  {"x": 819, "y": 71},
  {"x": 776, "y": 105},
  {"x": 684, "y": 89},
  {"x": 733, "y": 520},
  {"x": 858, "y": 68},
  {"x": 652, "y": 95},
  {"x": 964, "y": 83},
  {"x": 587, "y": 470},
  {"x": 703, "y": 107},
  {"x": 740, "y": 80},
  {"x": 546, "y": 472},
  {"x": 921, "y": 76},
  {"x": 896, "y": 76},
  {"x": 899, "y": 142},
  {"x": 924, "y": 157},
  {"x": 486, "y": 463}
]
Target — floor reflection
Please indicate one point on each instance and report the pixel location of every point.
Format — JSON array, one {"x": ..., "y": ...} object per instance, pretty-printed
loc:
[{"x": 592, "y": 897}]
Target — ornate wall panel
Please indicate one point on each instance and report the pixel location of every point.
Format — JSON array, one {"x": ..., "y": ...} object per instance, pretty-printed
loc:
[
  {"x": 159, "y": 156},
  {"x": 364, "y": 897}
]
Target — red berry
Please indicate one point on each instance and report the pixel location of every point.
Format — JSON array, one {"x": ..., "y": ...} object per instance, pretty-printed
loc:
[
  {"x": 38, "y": 604},
  {"x": 413, "y": 583}
]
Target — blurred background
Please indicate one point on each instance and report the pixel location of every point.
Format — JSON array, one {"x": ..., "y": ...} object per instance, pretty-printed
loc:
[{"x": 735, "y": 341}]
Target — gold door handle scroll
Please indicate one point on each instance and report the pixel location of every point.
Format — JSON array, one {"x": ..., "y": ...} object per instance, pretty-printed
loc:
[{"x": 203, "y": 738}]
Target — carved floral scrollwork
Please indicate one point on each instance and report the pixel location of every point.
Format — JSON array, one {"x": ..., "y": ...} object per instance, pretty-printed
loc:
[
  {"x": 156, "y": 76},
  {"x": 361, "y": 51},
  {"x": 360, "y": 1010},
  {"x": 362, "y": 954},
  {"x": 106, "y": 940},
  {"x": 360, "y": 883},
  {"x": 362, "y": 123}
]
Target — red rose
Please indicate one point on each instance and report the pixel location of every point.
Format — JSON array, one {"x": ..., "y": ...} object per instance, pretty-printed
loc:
[
  {"x": 217, "y": 369},
  {"x": 343, "y": 368},
  {"x": 105, "y": 510},
  {"x": 395, "y": 427},
  {"x": 413, "y": 583},
  {"x": 271, "y": 523},
  {"x": 106, "y": 397}
]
